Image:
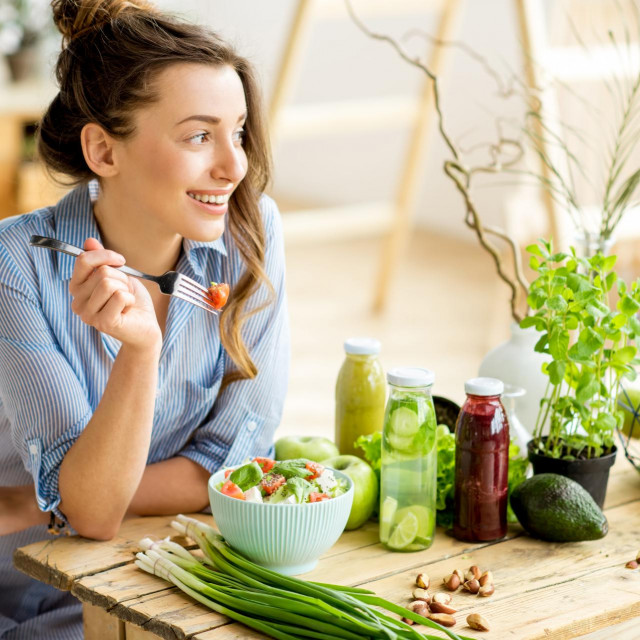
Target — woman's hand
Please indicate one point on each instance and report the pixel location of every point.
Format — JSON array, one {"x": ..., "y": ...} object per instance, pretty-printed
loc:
[
  {"x": 111, "y": 301},
  {"x": 19, "y": 510}
]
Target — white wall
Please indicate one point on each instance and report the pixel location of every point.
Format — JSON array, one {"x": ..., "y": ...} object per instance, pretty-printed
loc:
[{"x": 341, "y": 62}]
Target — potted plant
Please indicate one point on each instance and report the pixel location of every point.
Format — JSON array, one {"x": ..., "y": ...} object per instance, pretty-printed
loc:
[
  {"x": 586, "y": 317},
  {"x": 23, "y": 25}
]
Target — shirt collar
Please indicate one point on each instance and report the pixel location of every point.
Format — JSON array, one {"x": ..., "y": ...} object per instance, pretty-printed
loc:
[{"x": 75, "y": 223}]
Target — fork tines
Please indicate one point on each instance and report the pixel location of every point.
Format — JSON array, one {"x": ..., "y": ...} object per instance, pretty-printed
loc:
[{"x": 193, "y": 292}]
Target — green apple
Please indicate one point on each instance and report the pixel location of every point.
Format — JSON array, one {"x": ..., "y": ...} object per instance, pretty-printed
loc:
[
  {"x": 628, "y": 405},
  {"x": 365, "y": 487},
  {"x": 312, "y": 448}
]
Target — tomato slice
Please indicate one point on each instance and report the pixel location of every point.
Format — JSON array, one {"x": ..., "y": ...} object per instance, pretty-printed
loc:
[
  {"x": 271, "y": 482},
  {"x": 228, "y": 472},
  {"x": 314, "y": 496},
  {"x": 232, "y": 490},
  {"x": 266, "y": 464},
  {"x": 218, "y": 294},
  {"x": 315, "y": 468}
]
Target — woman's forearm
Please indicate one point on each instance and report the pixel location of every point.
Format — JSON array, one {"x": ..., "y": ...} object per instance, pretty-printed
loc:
[
  {"x": 101, "y": 471},
  {"x": 176, "y": 485}
]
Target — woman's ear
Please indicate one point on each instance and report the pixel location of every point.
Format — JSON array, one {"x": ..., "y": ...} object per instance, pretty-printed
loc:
[{"x": 98, "y": 150}]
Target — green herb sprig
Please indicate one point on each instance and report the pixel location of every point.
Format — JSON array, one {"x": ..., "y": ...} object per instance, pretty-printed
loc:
[{"x": 587, "y": 319}]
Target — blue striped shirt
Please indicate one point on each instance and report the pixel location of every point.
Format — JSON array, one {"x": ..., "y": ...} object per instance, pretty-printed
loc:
[{"x": 54, "y": 368}]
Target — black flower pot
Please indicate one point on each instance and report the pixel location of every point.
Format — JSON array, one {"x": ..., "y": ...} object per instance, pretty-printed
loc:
[{"x": 592, "y": 473}]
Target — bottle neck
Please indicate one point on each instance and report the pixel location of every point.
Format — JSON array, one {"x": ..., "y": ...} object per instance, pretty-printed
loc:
[
  {"x": 360, "y": 357},
  {"x": 396, "y": 388}
]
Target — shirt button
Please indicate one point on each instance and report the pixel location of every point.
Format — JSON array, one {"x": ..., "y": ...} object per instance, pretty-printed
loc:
[
  {"x": 33, "y": 449},
  {"x": 251, "y": 426}
]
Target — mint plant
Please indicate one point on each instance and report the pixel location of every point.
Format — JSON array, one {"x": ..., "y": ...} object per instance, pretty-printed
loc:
[{"x": 587, "y": 318}]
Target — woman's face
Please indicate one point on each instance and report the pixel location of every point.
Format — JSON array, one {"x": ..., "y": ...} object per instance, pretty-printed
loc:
[{"x": 185, "y": 157}]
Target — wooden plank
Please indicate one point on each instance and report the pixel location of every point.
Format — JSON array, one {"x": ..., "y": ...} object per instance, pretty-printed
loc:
[
  {"x": 624, "y": 631},
  {"x": 567, "y": 589},
  {"x": 233, "y": 631},
  {"x": 99, "y": 625},
  {"x": 60, "y": 561},
  {"x": 169, "y": 615},
  {"x": 133, "y": 632}
]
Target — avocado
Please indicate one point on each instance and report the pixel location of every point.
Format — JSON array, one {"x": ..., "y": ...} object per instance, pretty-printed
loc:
[{"x": 558, "y": 509}]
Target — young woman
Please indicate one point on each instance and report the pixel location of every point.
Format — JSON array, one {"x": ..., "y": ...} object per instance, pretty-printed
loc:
[{"x": 115, "y": 398}]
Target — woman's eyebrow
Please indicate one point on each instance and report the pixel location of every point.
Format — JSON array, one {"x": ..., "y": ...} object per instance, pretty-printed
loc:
[{"x": 208, "y": 119}]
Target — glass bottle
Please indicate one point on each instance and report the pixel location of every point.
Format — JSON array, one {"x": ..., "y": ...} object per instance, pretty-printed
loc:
[
  {"x": 408, "y": 473},
  {"x": 360, "y": 394},
  {"x": 482, "y": 463}
]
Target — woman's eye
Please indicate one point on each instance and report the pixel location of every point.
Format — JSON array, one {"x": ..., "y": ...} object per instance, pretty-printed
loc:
[
  {"x": 199, "y": 138},
  {"x": 239, "y": 135}
]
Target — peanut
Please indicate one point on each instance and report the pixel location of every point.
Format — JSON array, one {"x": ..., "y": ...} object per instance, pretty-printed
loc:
[
  {"x": 422, "y": 580},
  {"x": 452, "y": 582},
  {"x": 632, "y": 564},
  {"x": 420, "y": 607},
  {"x": 444, "y": 619},
  {"x": 486, "y": 591},
  {"x": 476, "y": 621},
  {"x": 473, "y": 586},
  {"x": 421, "y": 594},
  {"x": 473, "y": 573},
  {"x": 443, "y": 598},
  {"x": 486, "y": 578},
  {"x": 438, "y": 607}
]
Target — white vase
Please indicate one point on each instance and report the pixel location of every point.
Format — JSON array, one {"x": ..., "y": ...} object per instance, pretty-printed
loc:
[{"x": 517, "y": 364}]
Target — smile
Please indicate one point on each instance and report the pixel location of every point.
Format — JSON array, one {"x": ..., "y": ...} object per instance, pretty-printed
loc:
[{"x": 210, "y": 199}]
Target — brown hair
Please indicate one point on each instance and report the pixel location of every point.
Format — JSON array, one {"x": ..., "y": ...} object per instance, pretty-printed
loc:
[{"x": 112, "y": 51}]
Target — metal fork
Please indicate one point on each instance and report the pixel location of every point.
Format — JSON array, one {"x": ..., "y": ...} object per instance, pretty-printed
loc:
[{"x": 171, "y": 283}]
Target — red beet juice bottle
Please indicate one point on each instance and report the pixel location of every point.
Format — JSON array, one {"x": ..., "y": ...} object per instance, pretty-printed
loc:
[{"x": 482, "y": 463}]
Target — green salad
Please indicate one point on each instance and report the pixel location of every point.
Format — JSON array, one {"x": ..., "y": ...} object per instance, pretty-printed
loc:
[{"x": 296, "y": 481}]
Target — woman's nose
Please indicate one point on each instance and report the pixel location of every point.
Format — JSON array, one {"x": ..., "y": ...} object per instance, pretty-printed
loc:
[{"x": 230, "y": 163}]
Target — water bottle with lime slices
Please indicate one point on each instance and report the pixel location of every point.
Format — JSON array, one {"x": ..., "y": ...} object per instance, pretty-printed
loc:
[{"x": 409, "y": 462}]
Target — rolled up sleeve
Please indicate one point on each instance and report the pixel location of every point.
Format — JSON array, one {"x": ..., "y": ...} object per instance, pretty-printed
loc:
[
  {"x": 246, "y": 413},
  {"x": 43, "y": 400}
]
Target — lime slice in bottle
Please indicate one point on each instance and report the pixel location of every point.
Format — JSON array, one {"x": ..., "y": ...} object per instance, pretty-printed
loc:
[
  {"x": 426, "y": 518},
  {"x": 387, "y": 516},
  {"x": 404, "y": 422},
  {"x": 404, "y": 533},
  {"x": 399, "y": 443}
]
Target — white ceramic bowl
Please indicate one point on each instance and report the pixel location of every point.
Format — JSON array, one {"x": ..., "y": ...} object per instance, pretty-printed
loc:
[{"x": 288, "y": 538}]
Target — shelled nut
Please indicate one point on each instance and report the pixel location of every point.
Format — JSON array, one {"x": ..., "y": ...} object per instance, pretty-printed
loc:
[
  {"x": 444, "y": 619},
  {"x": 473, "y": 586},
  {"x": 421, "y": 594},
  {"x": 407, "y": 621},
  {"x": 473, "y": 573},
  {"x": 438, "y": 607},
  {"x": 486, "y": 591},
  {"x": 477, "y": 622},
  {"x": 486, "y": 578},
  {"x": 632, "y": 564},
  {"x": 452, "y": 582},
  {"x": 420, "y": 607},
  {"x": 443, "y": 598},
  {"x": 422, "y": 580},
  {"x": 460, "y": 575}
]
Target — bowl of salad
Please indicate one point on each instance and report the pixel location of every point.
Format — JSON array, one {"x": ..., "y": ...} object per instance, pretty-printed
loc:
[{"x": 281, "y": 514}]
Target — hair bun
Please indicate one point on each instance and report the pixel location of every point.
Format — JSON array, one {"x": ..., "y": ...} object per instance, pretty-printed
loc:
[{"x": 77, "y": 17}]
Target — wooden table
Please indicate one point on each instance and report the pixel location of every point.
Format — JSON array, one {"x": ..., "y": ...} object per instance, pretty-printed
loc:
[{"x": 543, "y": 590}]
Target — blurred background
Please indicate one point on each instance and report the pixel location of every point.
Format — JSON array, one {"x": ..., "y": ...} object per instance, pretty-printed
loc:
[{"x": 376, "y": 238}]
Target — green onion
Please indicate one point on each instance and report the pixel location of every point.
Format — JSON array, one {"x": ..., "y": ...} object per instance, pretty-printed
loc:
[{"x": 280, "y": 606}]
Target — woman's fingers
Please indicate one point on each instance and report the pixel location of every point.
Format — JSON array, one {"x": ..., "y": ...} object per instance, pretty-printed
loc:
[{"x": 95, "y": 256}]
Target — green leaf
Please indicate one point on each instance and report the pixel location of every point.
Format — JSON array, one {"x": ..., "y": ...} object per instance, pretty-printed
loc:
[
  {"x": 611, "y": 280},
  {"x": 529, "y": 321},
  {"x": 534, "y": 263},
  {"x": 557, "y": 303},
  {"x": 556, "y": 371},
  {"x": 618, "y": 321},
  {"x": 571, "y": 322},
  {"x": 292, "y": 468},
  {"x": 609, "y": 263},
  {"x": 587, "y": 387},
  {"x": 624, "y": 355},
  {"x": 605, "y": 422},
  {"x": 558, "y": 343},
  {"x": 628, "y": 305},
  {"x": 300, "y": 488},
  {"x": 247, "y": 476},
  {"x": 591, "y": 339},
  {"x": 534, "y": 249},
  {"x": 541, "y": 344},
  {"x": 634, "y": 323}
]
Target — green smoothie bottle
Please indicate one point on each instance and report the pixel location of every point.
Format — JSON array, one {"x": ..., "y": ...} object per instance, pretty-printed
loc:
[
  {"x": 360, "y": 394},
  {"x": 408, "y": 472}
]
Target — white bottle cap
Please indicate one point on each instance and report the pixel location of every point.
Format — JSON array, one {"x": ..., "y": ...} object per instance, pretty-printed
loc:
[
  {"x": 484, "y": 387},
  {"x": 362, "y": 346},
  {"x": 411, "y": 377}
]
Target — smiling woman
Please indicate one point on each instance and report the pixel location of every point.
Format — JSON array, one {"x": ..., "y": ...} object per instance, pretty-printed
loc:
[{"x": 114, "y": 398}]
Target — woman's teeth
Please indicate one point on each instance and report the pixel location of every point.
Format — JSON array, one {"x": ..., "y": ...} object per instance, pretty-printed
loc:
[{"x": 210, "y": 199}]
